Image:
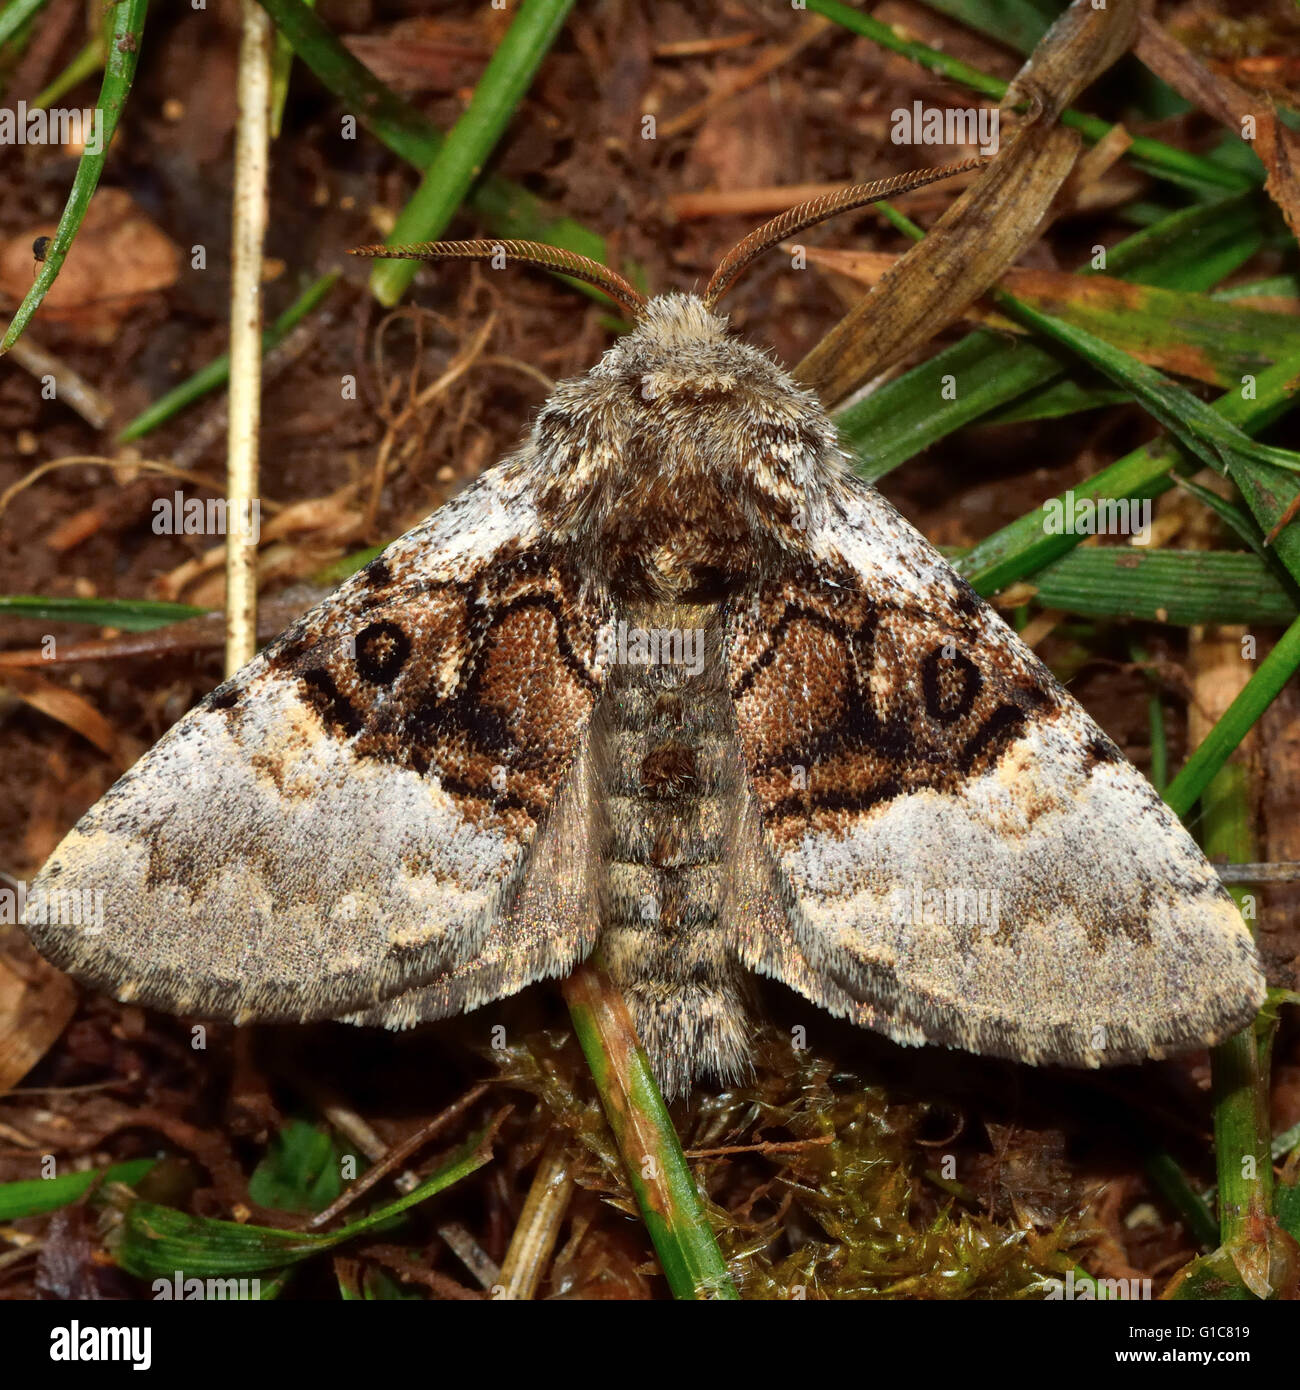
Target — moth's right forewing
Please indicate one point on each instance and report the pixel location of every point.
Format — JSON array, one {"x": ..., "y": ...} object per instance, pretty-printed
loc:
[
  {"x": 961, "y": 855},
  {"x": 344, "y": 819}
]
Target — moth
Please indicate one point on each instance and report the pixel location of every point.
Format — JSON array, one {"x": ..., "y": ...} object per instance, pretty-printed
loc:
[{"x": 670, "y": 682}]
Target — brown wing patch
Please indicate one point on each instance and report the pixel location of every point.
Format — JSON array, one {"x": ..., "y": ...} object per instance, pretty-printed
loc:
[
  {"x": 845, "y": 700},
  {"x": 481, "y": 681}
]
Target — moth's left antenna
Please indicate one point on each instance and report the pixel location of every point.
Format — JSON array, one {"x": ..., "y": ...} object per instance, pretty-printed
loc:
[
  {"x": 536, "y": 253},
  {"x": 805, "y": 215}
]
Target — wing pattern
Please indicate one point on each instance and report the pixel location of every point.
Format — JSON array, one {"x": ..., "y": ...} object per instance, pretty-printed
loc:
[
  {"x": 961, "y": 855},
  {"x": 348, "y": 817}
]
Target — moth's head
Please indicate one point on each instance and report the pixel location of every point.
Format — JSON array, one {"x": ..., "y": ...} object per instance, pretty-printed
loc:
[{"x": 679, "y": 345}]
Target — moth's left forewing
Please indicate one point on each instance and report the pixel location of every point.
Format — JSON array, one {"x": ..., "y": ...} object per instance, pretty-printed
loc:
[
  {"x": 347, "y": 819},
  {"x": 962, "y": 856}
]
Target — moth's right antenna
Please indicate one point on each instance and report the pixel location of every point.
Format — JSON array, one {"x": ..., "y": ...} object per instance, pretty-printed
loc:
[
  {"x": 535, "y": 253},
  {"x": 805, "y": 215}
]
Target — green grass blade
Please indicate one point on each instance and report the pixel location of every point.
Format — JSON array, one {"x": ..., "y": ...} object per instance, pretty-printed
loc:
[
  {"x": 16, "y": 14},
  {"x": 652, "y": 1154},
  {"x": 1193, "y": 335},
  {"x": 157, "y": 1240},
  {"x": 1214, "y": 440},
  {"x": 1273, "y": 673},
  {"x": 1022, "y": 546},
  {"x": 1172, "y": 1182},
  {"x": 281, "y": 68},
  {"x": 1158, "y": 771},
  {"x": 39, "y": 1195},
  {"x": 1179, "y": 587},
  {"x": 1065, "y": 397},
  {"x": 1190, "y": 250},
  {"x": 1239, "y": 1086},
  {"x": 505, "y": 80},
  {"x": 1238, "y": 521},
  {"x": 127, "y": 17},
  {"x": 1208, "y": 433},
  {"x": 129, "y": 614}
]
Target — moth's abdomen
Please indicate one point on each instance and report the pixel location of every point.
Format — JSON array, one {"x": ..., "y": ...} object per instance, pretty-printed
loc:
[{"x": 669, "y": 768}]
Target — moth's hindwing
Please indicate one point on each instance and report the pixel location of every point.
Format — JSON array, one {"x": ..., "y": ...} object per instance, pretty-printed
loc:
[
  {"x": 354, "y": 814},
  {"x": 963, "y": 857}
]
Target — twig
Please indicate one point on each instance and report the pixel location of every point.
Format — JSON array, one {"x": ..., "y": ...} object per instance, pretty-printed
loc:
[
  {"x": 387, "y": 1159},
  {"x": 74, "y": 390},
  {"x": 534, "y": 1239},
  {"x": 252, "y": 139},
  {"x": 770, "y": 1146},
  {"x": 471, "y": 1253},
  {"x": 406, "y": 1269},
  {"x": 1284, "y": 871}
]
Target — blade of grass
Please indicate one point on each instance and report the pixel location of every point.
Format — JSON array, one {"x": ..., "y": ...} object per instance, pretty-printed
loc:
[
  {"x": 1260, "y": 471},
  {"x": 15, "y": 14},
  {"x": 1172, "y": 1182},
  {"x": 652, "y": 1154},
  {"x": 127, "y": 19},
  {"x": 156, "y": 1240},
  {"x": 1067, "y": 397},
  {"x": 1205, "y": 433},
  {"x": 39, "y": 1195},
  {"x": 1076, "y": 393},
  {"x": 1023, "y": 546},
  {"x": 131, "y": 615},
  {"x": 1239, "y": 1072},
  {"x": 1240, "y": 1088},
  {"x": 1159, "y": 742},
  {"x": 1237, "y": 520},
  {"x": 281, "y": 67},
  {"x": 1164, "y": 161},
  {"x": 1178, "y": 587},
  {"x": 505, "y": 80},
  {"x": 1215, "y": 749},
  {"x": 540, "y": 1222}
]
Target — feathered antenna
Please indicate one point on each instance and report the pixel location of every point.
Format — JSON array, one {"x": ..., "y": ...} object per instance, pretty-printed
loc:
[
  {"x": 534, "y": 253},
  {"x": 805, "y": 215}
]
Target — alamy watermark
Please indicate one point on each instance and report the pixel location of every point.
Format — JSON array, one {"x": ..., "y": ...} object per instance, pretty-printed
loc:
[
  {"x": 82, "y": 129},
  {"x": 73, "y": 1342},
  {"x": 1098, "y": 516},
  {"x": 946, "y": 125},
  {"x": 179, "y": 515},
  {"x": 57, "y": 907},
  {"x": 193, "y": 1290},
  {"x": 915, "y": 904},
  {"x": 1071, "y": 1290},
  {"x": 622, "y": 645}
]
